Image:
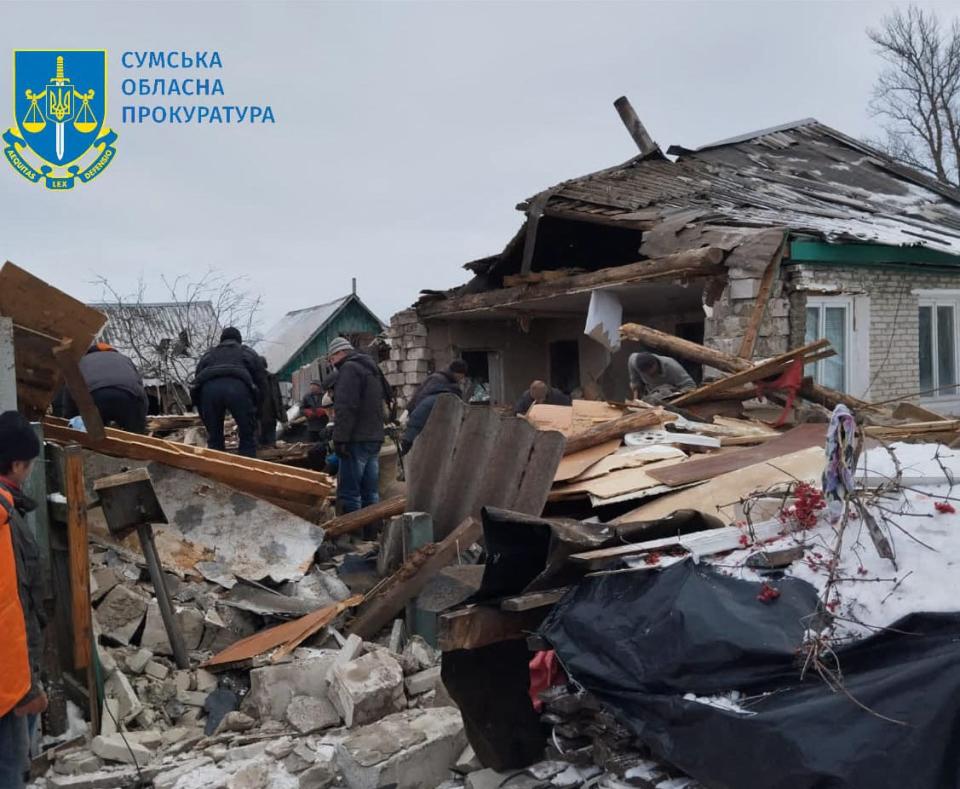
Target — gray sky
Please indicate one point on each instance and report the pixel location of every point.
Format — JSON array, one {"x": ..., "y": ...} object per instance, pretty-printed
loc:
[{"x": 406, "y": 132}]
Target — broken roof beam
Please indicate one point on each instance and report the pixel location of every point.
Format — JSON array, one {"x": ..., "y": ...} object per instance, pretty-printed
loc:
[
  {"x": 702, "y": 262},
  {"x": 635, "y": 127},
  {"x": 661, "y": 342}
]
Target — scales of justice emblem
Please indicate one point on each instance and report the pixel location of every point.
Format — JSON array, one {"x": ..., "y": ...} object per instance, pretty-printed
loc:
[{"x": 59, "y": 104}]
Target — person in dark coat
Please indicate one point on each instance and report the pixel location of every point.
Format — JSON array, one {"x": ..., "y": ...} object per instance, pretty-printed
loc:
[
  {"x": 440, "y": 381},
  {"x": 20, "y": 686},
  {"x": 271, "y": 409},
  {"x": 539, "y": 392},
  {"x": 311, "y": 406},
  {"x": 230, "y": 378},
  {"x": 419, "y": 416},
  {"x": 116, "y": 387},
  {"x": 359, "y": 397}
]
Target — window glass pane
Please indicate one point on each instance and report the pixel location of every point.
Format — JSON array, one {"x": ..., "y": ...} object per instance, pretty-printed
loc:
[
  {"x": 946, "y": 353},
  {"x": 926, "y": 349},
  {"x": 812, "y": 334},
  {"x": 835, "y": 330}
]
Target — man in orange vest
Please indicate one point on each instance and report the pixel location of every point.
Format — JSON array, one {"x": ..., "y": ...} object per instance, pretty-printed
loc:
[{"x": 21, "y": 615}]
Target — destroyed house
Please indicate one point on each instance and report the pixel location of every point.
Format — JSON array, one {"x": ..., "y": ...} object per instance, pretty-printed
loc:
[
  {"x": 302, "y": 336},
  {"x": 749, "y": 245},
  {"x": 165, "y": 340}
]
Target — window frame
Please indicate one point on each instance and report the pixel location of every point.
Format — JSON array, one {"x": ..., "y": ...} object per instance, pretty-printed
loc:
[
  {"x": 934, "y": 299},
  {"x": 848, "y": 303}
]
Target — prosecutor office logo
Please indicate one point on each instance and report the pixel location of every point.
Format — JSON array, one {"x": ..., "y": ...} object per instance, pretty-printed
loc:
[{"x": 59, "y": 131}]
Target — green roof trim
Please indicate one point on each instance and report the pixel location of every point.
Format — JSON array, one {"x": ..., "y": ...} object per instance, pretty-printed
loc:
[{"x": 810, "y": 251}]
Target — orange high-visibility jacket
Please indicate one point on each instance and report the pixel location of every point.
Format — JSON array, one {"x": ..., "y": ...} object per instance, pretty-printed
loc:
[{"x": 14, "y": 660}]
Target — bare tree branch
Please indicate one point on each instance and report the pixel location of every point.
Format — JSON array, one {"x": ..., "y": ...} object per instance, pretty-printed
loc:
[{"x": 917, "y": 95}]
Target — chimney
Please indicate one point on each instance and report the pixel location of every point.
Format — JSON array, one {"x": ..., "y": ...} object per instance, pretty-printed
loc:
[
  {"x": 634, "y": 126},
  {"x": 354, "y": 281}
]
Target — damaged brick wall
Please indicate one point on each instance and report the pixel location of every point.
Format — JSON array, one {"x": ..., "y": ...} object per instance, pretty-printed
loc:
[{"x": 410, "y": 357}]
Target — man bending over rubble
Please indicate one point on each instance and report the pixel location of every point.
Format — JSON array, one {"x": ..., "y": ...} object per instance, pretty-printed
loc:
[
  {"x": 359, "y": 396},
  {"x": 21, "y": 612},
  {"x": 230, "y": 378},
  {"x": 539, "y": 392},
  {"x": 655, "y": 378}
]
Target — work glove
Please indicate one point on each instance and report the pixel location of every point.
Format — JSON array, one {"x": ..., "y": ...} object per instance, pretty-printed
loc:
[{"x": 342, "y": 450}]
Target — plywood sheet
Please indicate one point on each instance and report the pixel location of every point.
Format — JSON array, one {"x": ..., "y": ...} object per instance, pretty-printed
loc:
[
  {"x": 712, "y": 466},
  {"x": 720, "y": 495},
  {"x": 575, "y": 464},
  {"x": 630, "y": 457},
  {"x": 571, "y": 419},
  {"x": 616, "y": 482}
]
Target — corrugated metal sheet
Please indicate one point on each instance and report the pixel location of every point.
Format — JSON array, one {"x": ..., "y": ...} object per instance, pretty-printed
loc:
[
  {"x": 469, "y": 457},
  {"x": 294, "y": 330}
]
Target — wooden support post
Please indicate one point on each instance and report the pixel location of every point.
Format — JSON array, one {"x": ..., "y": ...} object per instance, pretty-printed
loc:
[
  {"x": 407, "y": 582},
  {"x": 628, "y": 423},
  {"x": 77, "y": 387},
  {"x": 762, "y": 299},
  {"x": 79, "y": 557},
  {"x": 478, "y": 626}
]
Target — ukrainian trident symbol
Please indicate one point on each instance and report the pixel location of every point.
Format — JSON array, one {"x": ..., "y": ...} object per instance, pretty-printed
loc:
[{"x": 59, "y": 104}]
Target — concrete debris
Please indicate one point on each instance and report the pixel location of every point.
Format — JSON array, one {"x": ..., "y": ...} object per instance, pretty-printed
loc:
[
  {"x": 308, "y": 714},
  {"x": 137, "y": 662},
  {"x": 367, "y": 688},
  {"x": 272, "y": 688},
  {"x": 120, "y": 614},
  {"x": 120, "y": 748},
  {"x": 235, "y": 721},
  {"x": 420, "y": 651},
  {"x": 422, "y": 681},
  {"x": 156, "y": 670},
  {"x": 128, "y": 703},
  {"x": 410, "y": 749}
]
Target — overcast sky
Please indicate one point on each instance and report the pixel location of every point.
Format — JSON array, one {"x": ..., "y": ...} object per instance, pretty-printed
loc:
[{"x": 405, "y": 132}]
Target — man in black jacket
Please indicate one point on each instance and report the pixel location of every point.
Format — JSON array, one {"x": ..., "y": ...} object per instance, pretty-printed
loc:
[
  {"x": 271, "y": 408},
  {"x": 230, "y": 378},
  {"x": 116, "y": 387},
  {"x": 359, "y": 397},
  {"x": 539, "y": 392},
  {"x": 440, "y": 381},
  {"x": 419, "y": 415}
]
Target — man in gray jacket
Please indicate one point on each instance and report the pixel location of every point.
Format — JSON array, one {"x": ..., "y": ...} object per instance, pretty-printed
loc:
[
  {"x": 655, "y": 378},
  {"x": 116, "y": 386}
]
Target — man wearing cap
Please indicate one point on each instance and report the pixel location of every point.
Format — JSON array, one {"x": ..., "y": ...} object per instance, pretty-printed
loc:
[
  {"x": 21, "y": 608},
  {"x": 116, "y": 387},
  {"x": 655, "y": 378},
  {"x": 448, "y": 380},
  {"x": 359, "y": 396},
  {"x": 230, "y": 377},
  {"x": 311, "y": 406}
]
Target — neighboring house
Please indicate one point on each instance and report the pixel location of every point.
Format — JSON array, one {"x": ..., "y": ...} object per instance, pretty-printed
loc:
[
  {"x": 301, "y": 337},
  {"x": 856, "y": 247},
  {"x": 165, "y": 341}
]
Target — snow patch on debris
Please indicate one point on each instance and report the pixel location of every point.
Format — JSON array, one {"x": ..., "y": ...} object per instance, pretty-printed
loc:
[{"x": 728, "y": 702}]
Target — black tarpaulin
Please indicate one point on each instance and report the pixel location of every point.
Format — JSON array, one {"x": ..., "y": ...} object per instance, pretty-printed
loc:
[{"x": 641, "y": 641}]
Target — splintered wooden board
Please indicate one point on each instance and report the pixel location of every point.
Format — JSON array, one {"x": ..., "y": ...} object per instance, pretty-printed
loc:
[
  {"x": 615, "y": 483},
  {"x": 575, "y": 464},
  {"x": 630, "y": 457},
  {"x": 571, "y": 419},
  {"x": 801, "y": 437},
  {"x": 719, "y": 496},
  {"x": 43, "y": 316}
]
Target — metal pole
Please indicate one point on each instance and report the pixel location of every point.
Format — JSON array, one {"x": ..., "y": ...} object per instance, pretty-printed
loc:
[{"x": 145, "y": 533}]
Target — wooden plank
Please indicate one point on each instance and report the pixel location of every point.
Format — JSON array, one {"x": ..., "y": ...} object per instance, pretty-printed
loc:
[
  {"x": 413, "y": 575},
  {"x": 720, "y": 495},
  {"x": 699, "y": 543},
  {"x": 800, "y": 437},
  {"x": 575, "y": 463},
  {"x": 257, "y": 477},
  {"x": 526, "y": 602},
  {"x": 757, "y": 372},
  {"x": 762, "y": 299},
  {"x": 616, "y": 429},
  {"x": 615, "y": 483},
  {"x": 77, "y": 387},
  {"x": 702, "y": 262},
  {"x": 352, "y": 521},
  {"x": 79, "y": 557},
  {"x": 44, "y": 316},
  {"x": 479, "y": 626}
]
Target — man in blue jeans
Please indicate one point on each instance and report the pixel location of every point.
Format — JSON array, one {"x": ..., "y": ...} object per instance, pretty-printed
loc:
[{"x": 359, "y": 397}]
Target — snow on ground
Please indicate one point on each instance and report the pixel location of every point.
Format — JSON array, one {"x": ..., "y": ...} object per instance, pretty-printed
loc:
[{"x": 875, "y": 592}]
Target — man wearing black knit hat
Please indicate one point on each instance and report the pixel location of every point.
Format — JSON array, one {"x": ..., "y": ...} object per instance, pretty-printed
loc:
[{"x": 230, "y": 378}]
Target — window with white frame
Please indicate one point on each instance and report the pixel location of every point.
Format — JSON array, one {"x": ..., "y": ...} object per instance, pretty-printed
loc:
[
  {"x": 831, "y": 317},
  {"x": 937, "y": 318}
]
